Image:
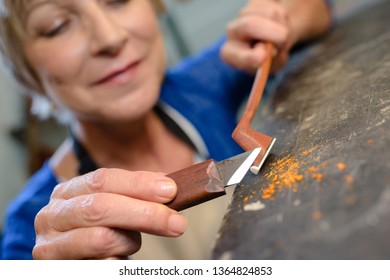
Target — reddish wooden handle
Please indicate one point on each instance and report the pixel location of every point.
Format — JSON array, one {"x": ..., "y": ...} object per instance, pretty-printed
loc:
[
  {"x": 243, "y": 134},
  {"x": 258, "y": 88},
  {"x": 196, "y": 184}
]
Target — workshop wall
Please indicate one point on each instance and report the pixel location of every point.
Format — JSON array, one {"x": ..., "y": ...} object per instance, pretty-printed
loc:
[{"x": 12, "y": 153}]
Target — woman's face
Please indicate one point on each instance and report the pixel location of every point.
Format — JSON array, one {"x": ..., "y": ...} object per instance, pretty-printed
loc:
[{"x": 101, "y": 59}]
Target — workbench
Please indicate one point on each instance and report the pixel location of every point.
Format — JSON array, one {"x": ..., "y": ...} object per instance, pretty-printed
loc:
[{"x": 324, "y": 191}]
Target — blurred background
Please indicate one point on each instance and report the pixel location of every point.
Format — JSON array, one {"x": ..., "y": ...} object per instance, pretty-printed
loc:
[{"x": 25, "y": 142}]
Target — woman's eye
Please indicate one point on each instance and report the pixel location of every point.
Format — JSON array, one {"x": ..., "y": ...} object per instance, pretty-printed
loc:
[
  {"x": 57, "y": 30},
  {"x": 117, "y": 2}
]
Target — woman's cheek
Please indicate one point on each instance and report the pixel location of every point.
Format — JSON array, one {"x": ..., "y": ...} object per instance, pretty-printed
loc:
[{"x": 60, "y": 59}]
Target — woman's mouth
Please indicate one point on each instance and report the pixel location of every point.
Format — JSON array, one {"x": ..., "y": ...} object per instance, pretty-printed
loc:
[{"x": 118, "y": 76}]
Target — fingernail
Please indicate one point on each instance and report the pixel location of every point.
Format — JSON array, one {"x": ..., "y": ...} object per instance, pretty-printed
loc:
[
  {"x": 166, "y": 188},
  {"x": 177, "y": 223}
]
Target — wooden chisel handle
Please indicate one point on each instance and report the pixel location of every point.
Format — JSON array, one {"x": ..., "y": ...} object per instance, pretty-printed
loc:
[
  {"x": 247, "y": 137},
  {"x": 196, "y": 184}
]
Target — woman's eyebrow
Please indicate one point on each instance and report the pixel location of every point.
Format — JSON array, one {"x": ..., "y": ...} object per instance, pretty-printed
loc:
[{"x": 31, "y": 7}]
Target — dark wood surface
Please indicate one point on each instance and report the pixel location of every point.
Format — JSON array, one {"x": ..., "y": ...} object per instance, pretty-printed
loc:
[{"x": 324, "y": 192}]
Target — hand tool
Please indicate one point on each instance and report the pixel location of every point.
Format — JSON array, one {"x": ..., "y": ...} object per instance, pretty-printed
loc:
[
  {"x": 243, "y": 134},
  {"x": 207, "y": 180}
]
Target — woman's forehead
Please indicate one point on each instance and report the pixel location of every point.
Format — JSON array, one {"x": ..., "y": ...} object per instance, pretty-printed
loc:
[
  {"x": 29, "y": 5},
  {"x": 32, "y": 3}
]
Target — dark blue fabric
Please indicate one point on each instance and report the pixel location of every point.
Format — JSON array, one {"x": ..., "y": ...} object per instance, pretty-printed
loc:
[
  {"x": 202, "y": 88},
  {"x": 1, "y": 249}
]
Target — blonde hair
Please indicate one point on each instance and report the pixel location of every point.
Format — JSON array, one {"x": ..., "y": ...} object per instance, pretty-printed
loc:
[{"x": 12, "y": 33}]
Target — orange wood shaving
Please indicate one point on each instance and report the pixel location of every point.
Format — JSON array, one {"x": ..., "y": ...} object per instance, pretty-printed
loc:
[
  {"x": 318, "y": 177},
  {"x": 298, "y": 178},
  {"x": 308, "y": 151},
  {"x": 284, "y": 174},
  {"x": 348, "y": 179},
  {"x": 341, "y": 166},
  {"x": 313, "y": 169},
  {"x": 289, "y": 173},
  {"x": 268, "y": 192}
]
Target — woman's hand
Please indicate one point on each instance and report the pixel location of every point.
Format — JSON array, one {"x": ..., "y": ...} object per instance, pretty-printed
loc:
[
  {"x": 258, "y": 22},
  {"x": 283, "y": 23},
  {"x": 101, "y": 214}
]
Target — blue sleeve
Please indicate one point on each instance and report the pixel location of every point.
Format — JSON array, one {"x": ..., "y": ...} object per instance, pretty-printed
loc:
[
  {"x": 19, "y": 233},
  {"x": 208, "y": 92}
]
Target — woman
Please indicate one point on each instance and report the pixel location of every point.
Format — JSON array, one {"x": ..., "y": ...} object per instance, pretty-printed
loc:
[{"x": 102, "y": 63}]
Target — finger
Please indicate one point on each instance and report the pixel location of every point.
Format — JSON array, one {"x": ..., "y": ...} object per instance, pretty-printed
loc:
[
  {"x": 142, "y": 185},
  {"x": 243, "y": 56},
  {"x": 88, "y": 243},
  {"x": 252, "y": 28},
  {"x": 111, "y": 210},
  {"x": 266, "y": 8}
]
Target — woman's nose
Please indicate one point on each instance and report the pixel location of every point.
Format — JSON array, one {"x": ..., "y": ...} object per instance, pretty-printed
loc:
[{"x": 107, "y": 36}]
